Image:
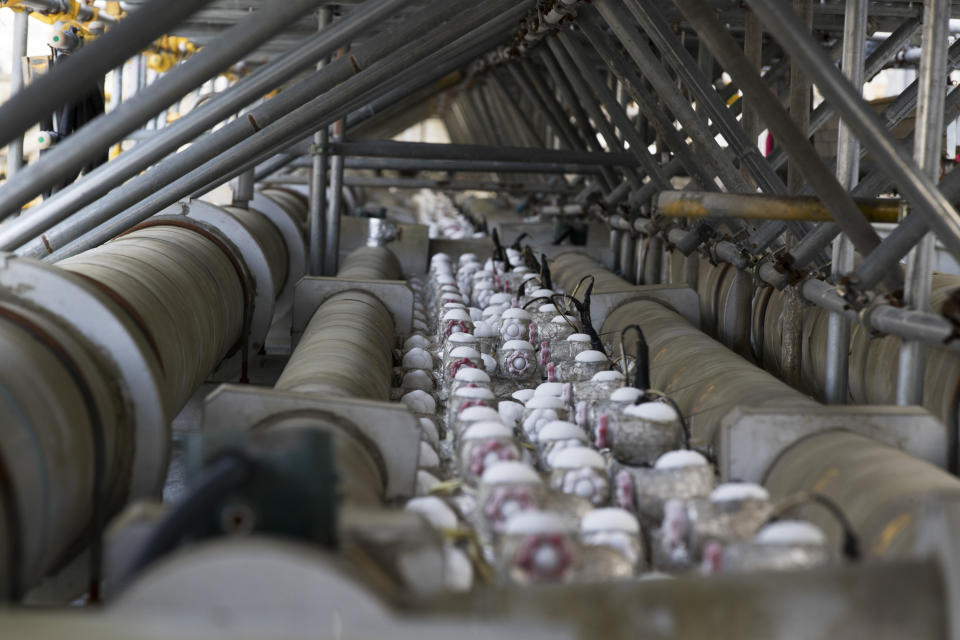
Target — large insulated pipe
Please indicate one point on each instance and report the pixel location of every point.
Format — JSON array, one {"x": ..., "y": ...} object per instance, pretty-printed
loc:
[
  {"x": 873, "y": 359},
  {"x": 98, "y": 354},
  {"x": 882, "y": 491},
  {"x": 879, "y": 489},
  {"x": 346, "y": 352}
]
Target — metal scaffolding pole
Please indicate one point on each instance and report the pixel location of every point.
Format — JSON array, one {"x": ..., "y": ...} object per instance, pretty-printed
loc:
[
  {"x": 318, "y": 181},
  {"x": 848, "y": 173},
  {"x": 88, "y": 65},
  {"x": 223, "y": 105},
  {"x": 918, "y": 187},
  {"x": 237, "y": 131},
  {"x": 825, "y": 184},
  {"x": 20, "y": 31},
  {"x": 927, "y": 151},
  {"x": 328, "y": 107},
  {"x": 90, "y": 141}
]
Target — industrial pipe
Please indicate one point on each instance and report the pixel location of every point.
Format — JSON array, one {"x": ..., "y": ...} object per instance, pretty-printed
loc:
[{"x": 693, "y": 204}]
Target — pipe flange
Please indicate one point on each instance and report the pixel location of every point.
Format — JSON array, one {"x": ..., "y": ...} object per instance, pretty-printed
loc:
[
  {"x": 292, "y": 235},
  {"x": 249, "y": 250},
  {"x": 117, "y": 338}
]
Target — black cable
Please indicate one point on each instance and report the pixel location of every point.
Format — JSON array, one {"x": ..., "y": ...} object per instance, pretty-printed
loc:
[
  {"x": 641, "y": 376},
  {"x": 222, "y": 475},
  {"x": 546, "y": 279}
]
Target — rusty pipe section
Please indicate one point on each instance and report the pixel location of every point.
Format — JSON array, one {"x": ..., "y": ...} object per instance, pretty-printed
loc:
[{"x": 756, "y": 206}]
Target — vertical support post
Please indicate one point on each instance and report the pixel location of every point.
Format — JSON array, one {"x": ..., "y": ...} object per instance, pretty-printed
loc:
[
  {"x": 753, "y": 50},
  {"x": 20, "y": 29},
  {"x": 848, "y": 173},
  {"x": 243, "y": 189},
  {"x": 799, "y": 94},
  {"x": 927, "y": 149},
  {"x": 318, "y": 183},
  {"x": 116, "y": 92},
  {"x": 331, "y": 257}
]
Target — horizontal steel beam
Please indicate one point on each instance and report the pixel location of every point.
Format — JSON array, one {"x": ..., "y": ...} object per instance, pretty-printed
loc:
[
  {"x": 432, "y": 151},
  {"x": 416, "y": 164},
  {"x": 440, "y": 185}
]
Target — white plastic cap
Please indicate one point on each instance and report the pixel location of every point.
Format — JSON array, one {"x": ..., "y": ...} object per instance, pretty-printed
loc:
[
  {"x": 437, "y": 512},
  {"x": 544, "y": 402},
  {"x": 428, "y": 457},
  {"x": 608, "y": 376},
  {"x": 625, "y": 394},
  {"x": 464, "y": 352},
  {"x": 609, "y": 519},
  {"x": 591, "y": 356},
  {"x": 522, "y": 395},
  {"x": 484, "y": 329},
  {"x": 532, "y": 522},
  {"x": 462, "y": 338},
  {"x": 471, "y": 374},
  {"x": 680, "y": 459},
  {"x": 419, "y": 401},
  {"x": 475, "y": 393},
  {"x": 576, "y": 458},
  {"x": 487, "y": 429},
  {"x": 417, "y": 358},
  {"x": 457, "y": 314},
  {"x": 578, "y": 337},
  {"x": 791, "y": 532},
  {"x": 510, "y": 472},
  {"x": 560, "y": 430},
  {"x": 520, "y": 345},
  {"x": 477, "y": 414},
  {"x": 653, "y": 411},
  {"x": 515, "y": 313},
  {"x": 731, "y": 491},
  {"x": 554, "y": 389}
]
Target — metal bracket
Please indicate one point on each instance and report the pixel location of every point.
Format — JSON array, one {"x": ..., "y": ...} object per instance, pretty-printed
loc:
[
  {"x": 391, "y": 427},
  {"x": 411, "y": 245},
  {"x": 680, "y": 298},
  {"x": 311, "y": 292},
  {"x": 751, "y": 439}
]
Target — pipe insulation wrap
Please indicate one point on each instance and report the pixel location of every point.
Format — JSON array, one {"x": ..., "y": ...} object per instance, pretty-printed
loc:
[
  {"x": 269, "y": 239},
  {"x": 346, "y": 349},
  {"x": 49, "y": 379},
  {"x": 568, "y": 268},
  {"x": 882, "y": 491},
  {"x": 184, "y": 292}
]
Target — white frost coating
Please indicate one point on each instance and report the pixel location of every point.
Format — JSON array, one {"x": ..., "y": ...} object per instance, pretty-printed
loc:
[
  {"x": 578, "y": 337},
  {"x": 560, "y": 430},
  {"x": 500, "y": 299},
  {"x": 462, "y": 339},
  {"x": 625, "y": 394},
  {"x": 428, "y": 457},
  {"x": 470, "y": 374},
  {"x": 457, "y": 314},
  {"x": 429, "y": 430},
  {"x": 544, "y": 402},
  {"x": 417, "y": 358},
  {"x": 476, "y": 313},
  {"x": 521, "y": 269},
  {"x": 789, "y": 532},
  {"x": 510, "y": 472},
  {"x": 576, "y": 458},
  {"x": 652, "y": 411},
  {"x": 609, "y": 519},
  {"x": 434, "y": 510},
  {"x": 739, "y": 491},
  {"x": 564, "y": 320},
  {"x": 554, "y": 389},
  {"x": 464, "y": 352},
  {"x": 417, "y": 379},
  {"x": 546, "y": 308},
  {"x": 458, "y": 570},
  {"x": 426, "y": 481},
  {"x": 608, "y": 376},
  {"x": 489, "y": 363},
  {"x": 419, "y": 402},
  {"x": 515, "y": 313},
  {"x": 484, "y": 329},
  {"x": 526, "y": 523},
  {"x": 519, "y": 345},
  {"x": 591, "y": 356},
  {"x": 478, "y": 414},
  {"x": 541, "y": 293},
  {"x": 475, "y": 393},
  {"x": 510, "y": 412},
  {"x": 680, "y": 459},
  {"x": 487, "y": 429},
  {"x": 522, "y": 395}
]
